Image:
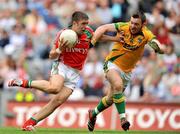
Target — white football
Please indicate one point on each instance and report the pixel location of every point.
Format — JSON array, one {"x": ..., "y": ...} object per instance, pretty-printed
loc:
[{"x": 70, "y": 36}]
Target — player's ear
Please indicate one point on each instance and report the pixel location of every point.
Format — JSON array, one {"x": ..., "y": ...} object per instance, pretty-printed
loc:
[
  {"x": 144, "y": 23},
  {"x": 74, "y": 22}
]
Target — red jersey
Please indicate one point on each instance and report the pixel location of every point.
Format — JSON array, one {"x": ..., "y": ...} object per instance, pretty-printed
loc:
[{"x": 76, "y": 56}]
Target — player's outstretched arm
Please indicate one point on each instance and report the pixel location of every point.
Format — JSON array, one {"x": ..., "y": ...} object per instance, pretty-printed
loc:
[
  {"x": 100, "y": 32},
  {"x": 155, "y": 44},
  {"x": 119, "y": 37}
]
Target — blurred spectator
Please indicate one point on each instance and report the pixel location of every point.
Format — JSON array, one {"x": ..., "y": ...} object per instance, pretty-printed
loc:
[
  {"x": 146, "y": 6},
  {"x": 172, "y": 5},
  {"x": 29, "y": 49},
  {"x": 170, "y": 21},
  {"x": 22, "y": 11},
  {"x": 176, "y": 29},
  {"x": 91, "y": 10},
  {"x": 42, "y": 50},
  {"x": 4, "y": 38},
  {"x": 48, "y": 15},
  {"x": 155, "y": 18},
  {"x": 133, "y": 6},
  {"x": 157, "y": 90},
  {"x": 169, "y": 80},
  {"x": 18, "y": 37},
  {"x": 162, "y": 34},
  {"x": 8, "y": 4},
  {"x": 63, "y": 9},
  {"x": 161, "y": 7},
  {"x": 104, "y": 11},
  {"x": 35, "y": 23},
  {"x": 170, "y": 58},
  {"x": 136, "y": 90},
  {"x": 175, "y": 88},
  {"x": 93, "y": 75},
  {"x": 8, "y": 70},
  {"x": 7, "y": 21},
  {"x": 119, "y": 10}
]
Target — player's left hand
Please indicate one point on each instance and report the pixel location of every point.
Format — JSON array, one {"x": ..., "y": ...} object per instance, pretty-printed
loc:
[
  {"x": 120, "y": 36},
  {"x": 62, "y": 44}
]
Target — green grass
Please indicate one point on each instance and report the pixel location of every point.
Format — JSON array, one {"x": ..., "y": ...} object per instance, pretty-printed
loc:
[{"x": 6, "y": 130}]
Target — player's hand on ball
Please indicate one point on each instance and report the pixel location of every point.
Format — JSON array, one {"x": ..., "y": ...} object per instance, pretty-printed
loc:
[
  {"x": 70, "y": 36},
  {"x": 63, "y": 44}
]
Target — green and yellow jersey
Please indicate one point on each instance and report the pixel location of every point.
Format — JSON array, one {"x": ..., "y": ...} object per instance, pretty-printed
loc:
[{"x": 125, "y": 56}]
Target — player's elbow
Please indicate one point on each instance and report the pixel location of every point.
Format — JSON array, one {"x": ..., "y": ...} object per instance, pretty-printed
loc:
[{"x": 53, "y": 55}]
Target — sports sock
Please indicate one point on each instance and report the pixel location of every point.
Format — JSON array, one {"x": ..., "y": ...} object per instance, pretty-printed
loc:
[
  {"x": 119, "y": 100},
  {"x": 103, "y": 104},
  {"x": 26, "y": 83},
  {"x": 29, "y": 83},
  {"x": 34, "y": 120}
]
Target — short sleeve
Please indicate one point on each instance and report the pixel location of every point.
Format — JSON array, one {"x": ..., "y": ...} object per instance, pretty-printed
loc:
[
  {"x": 89, "y": 32},
  {"x": 119, "y": 25}
]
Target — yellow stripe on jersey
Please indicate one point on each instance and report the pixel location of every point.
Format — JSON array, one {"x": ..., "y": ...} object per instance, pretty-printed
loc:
[
  {"x": 125, "y": 56},
  {"x": 104, "y": 101},
  {"x": 119, "y": 100}
]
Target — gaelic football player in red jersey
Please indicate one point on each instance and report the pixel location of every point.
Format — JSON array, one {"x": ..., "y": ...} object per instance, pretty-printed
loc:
[{"x": 65, "y": 71}]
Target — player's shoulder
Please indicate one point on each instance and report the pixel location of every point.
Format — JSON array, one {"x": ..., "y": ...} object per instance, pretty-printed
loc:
[
  {"x": 88, "y": 32},
  {"x": 88, "y": 28},
  {"x": 146, "y": 30},
  {"x": 148, "y": 33},
  {"x": 121, "y": 25}
]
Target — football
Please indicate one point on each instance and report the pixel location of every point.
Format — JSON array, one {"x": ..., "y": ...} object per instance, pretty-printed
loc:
[{"x": 70, "y": 36}]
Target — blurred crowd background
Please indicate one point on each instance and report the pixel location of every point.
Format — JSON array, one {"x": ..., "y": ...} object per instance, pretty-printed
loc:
[{"x": 28, "y": 27}]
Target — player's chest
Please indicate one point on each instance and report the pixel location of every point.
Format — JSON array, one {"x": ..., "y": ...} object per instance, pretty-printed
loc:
[
  {"x": 134, "y": 40},
  {"x": 83, "y": 42}
]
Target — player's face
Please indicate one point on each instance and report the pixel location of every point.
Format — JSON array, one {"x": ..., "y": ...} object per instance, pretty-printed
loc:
[
  {"x": 135, "y": 25},
  {"x": 80, "y": 26}
]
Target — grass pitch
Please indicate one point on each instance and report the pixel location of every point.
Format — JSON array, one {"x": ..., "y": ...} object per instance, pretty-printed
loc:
[{"x": 7, "y": 130}]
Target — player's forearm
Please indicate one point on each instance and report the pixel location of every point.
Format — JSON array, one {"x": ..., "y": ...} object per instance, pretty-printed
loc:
[
  {"x": 100, "y": 31},
  {"x": 110, "y": 38},
  {"x": 98, "y": 34},
  {"x": 154, "y": 44}
]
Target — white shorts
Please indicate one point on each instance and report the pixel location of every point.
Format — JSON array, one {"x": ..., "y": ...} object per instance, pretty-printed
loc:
[
  {"x": 126, "y": 77},
  {"x": 71, "y": 76}
]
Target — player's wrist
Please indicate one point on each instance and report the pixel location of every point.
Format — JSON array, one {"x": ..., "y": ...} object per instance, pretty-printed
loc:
[
  {"x": 93, "y": 42},
  {"x": 58, "y": 50}
]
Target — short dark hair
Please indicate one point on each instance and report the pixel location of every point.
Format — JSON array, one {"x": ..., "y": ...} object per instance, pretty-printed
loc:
[
  {"x": 141, "y": 15},
  {"x": 78, "y": 15}
]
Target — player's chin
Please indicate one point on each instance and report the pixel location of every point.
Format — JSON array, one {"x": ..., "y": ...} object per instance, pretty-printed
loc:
[{"x": 134, "y": 31}]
